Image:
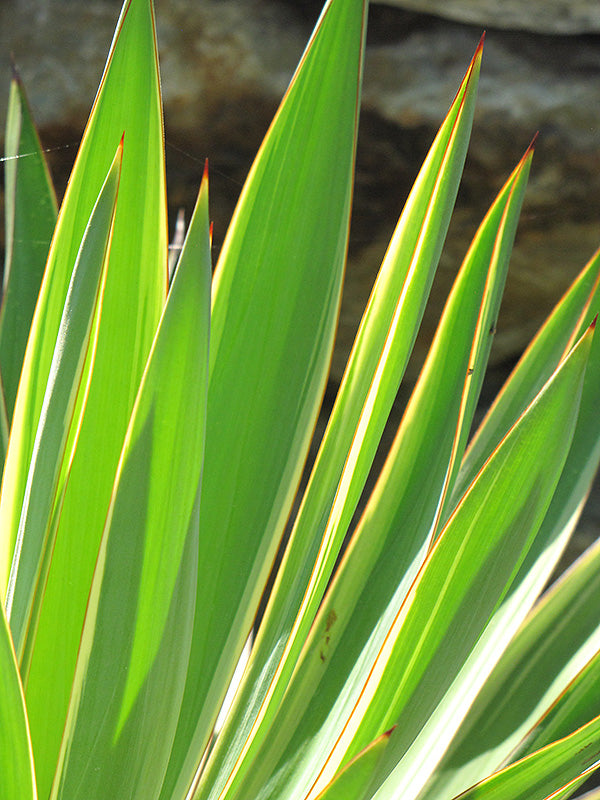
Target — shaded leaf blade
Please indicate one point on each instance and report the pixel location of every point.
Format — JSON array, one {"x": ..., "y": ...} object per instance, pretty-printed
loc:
[{"x": 30, "y": 217}]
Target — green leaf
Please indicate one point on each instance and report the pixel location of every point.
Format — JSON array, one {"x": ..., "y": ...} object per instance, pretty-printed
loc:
[
  {"x": 277, "y": 290},
  {"x": 128, "y": 100},
  {"x": 369, "y": 386},
  {"x": 435, "y": 637},
  {"x": 563, "y": 632},
  {"x": 136, "y": 638},
  {"x": 17, "y": 777},
  {"x": 351, "y": 783},
  {"x": 462, "y": 612},
  {"x": 576, "y": 705},
  {"x": 544, "y": 687},
  {"x": 367, "y": 589},
  {"x": 569, "y": 319},
  {"x": 77, "y": 337},
  {"x": 555, "y": 771},
  {"x": 30, "y": 215}
]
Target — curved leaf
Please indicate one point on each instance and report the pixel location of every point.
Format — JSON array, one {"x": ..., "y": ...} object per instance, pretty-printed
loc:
[
  {"x": 555, "y": 771},
  {"x": 128, "y": 100},
  {"x": 277, "y": 289},
  {"x": 30, "y": 214},
  {"x": 369, "y": 386},
  {"x": 136, "y": 638},
  {"x": 455, "y": 620},
  {"x": 17, "y": 776}
]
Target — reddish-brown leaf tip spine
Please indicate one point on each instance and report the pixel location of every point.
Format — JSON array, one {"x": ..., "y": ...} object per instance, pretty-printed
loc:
[
  {"x": 205, "y": 173},
  {"x": 533, "y": 142},
  {"x": 593, "y": 325}
]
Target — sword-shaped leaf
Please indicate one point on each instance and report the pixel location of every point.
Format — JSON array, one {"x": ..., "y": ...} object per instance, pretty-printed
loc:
[
  {"x": 564, "y": 326},
  {"x": 351, "y": 625},
  {"x": 128, "y": 100},
  {"x": 368, "y": 388},
  {"x": 17, "y": 775},
  {"x": 450, "y": 627},
  {"x": 30, "y": 216},
  {"x": 558, "y": 638},
  {"x": 134, "y": 651},
  {"x": 77, "y": 337},
  {"x": 277, "y": 289},
  {"x": 352, "y": 782},
  {"x": 552, "y": 773}
]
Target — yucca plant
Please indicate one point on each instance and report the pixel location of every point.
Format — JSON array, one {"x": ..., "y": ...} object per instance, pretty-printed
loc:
[{"x": 156, "y": 428}]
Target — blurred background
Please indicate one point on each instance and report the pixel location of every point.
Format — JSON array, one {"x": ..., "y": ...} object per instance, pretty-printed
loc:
[{"x": 226, "y": 63}]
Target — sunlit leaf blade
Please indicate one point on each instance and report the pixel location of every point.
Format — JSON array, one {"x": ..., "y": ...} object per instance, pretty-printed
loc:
[
  {"x": 30, "y": 216},
  {"x": 276, "y": 298},
  {"x": 352, "y": 782},
  {"x": 17, "y": 778},
  {"x": 368, "y": 388},
  {"x": 366, "y": 592},
  {"x": 569, "y": 789},
  {"x": 572, "y": 674},
  {"x": 557, "y": 639},
  {"x": 579, "y": 702},
  {"x": 135, "y": 644},
  {"x": 545, "y": 774},
  {"x": 128, "y": 100},
  {"x": 457, "y": 616},
  {"x": 76, "y": 337},
  {"x": 566, "y": 323}
]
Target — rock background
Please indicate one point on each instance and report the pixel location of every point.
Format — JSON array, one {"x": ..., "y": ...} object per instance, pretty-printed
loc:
[{"x": 226, "y": 63}]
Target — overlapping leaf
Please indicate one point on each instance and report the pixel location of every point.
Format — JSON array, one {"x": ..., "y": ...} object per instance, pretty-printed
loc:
[
  {"x": 76, "y": 341},
  {"x": 531, "y": 676},
  {"x": 432, "y": 640},
  {"x": 30, "y": 214},
  {"x": 352, "y": 782},
  {"x": 128, "y": 100},
  {"x": 17, "y": 775},
  {"x": 464, "y": 608},
  {"x": 554, "y": 772},
  {"x": 133, "y": 658},
  {"x": 344, "y": 643},
  {"x": 370, "y": 383},
  {"x": 276, "y": 298}
]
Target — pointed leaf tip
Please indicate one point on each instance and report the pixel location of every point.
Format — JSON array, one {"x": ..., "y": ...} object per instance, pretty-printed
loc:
[
  {"x": 533, "y": 141},
  {"x": 14, "y": 69},
  {"x": 205, "y": 173}
]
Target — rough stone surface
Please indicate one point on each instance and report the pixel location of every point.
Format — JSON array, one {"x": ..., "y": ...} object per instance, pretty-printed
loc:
[
  {"x": 226, "y": 63},
  {"x": 550, "y": 16}
]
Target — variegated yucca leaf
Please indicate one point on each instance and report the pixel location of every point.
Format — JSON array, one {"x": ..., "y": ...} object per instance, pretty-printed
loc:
[{"x": 156, "y": 420}]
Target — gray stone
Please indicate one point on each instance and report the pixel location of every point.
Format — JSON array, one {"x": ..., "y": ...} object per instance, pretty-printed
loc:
[{"x": 549, "y": 16}]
